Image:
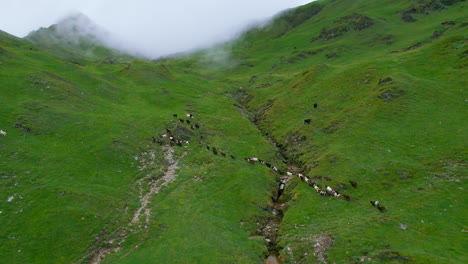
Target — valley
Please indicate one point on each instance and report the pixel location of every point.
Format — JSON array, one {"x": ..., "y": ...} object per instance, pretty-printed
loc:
[{"x": 219, "y": 156}]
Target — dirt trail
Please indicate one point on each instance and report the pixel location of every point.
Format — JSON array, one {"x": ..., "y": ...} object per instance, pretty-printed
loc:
[
  {"x": 134, "y": 225},
  {"x": 156, "y": 185}
]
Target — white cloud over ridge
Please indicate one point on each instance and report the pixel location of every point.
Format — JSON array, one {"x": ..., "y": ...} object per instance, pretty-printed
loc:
[{"x": 151, "y": 27}]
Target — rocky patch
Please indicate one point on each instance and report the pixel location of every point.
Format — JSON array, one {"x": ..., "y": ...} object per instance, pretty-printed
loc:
[
  {"x": 353, "y": 22},
  {"x": 322, "y": 244}
]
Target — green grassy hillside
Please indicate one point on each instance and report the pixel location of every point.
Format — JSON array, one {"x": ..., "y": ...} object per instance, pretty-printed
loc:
[
  {"x": 391, "y": 116},
  {"x": 388, "y": 79}
]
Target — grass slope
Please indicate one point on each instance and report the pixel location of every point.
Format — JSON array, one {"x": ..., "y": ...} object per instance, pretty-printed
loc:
[
  {"x": 388, "y": 78},
  {"x": 390, "y": 116}
]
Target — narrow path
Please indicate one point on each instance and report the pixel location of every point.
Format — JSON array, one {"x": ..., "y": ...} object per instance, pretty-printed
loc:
[
  {"x": 135, "y": 224},
  {"x": 156, "y": 185}
]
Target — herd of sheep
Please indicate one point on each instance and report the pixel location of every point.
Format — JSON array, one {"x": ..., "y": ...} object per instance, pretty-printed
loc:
[
  {"x": 328, "y": 191},
  {"x": 285, "y": 175}
]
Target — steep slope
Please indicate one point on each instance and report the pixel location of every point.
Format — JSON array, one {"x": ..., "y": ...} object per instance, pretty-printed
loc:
[
  {"x": 81, "y": 149},
  {"x": 389, "y": 114}
]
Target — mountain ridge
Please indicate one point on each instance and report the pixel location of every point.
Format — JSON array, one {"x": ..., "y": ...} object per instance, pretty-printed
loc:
[{"x": 76, "y": 36}]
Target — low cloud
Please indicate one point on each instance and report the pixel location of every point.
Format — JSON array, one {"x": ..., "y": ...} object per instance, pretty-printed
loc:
[{"x": 149, "y": 27}]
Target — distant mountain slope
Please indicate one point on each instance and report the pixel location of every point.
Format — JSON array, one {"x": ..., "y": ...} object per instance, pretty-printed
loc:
[{"x": 77, "y": 37}]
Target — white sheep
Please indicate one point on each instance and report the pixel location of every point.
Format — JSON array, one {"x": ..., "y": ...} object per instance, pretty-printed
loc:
[
  {"x": 3, "y": 133},
  {"x": 317, "y": 189}
]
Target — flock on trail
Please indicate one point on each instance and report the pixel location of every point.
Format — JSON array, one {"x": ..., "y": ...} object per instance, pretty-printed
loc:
[
  {"x": 173, "y": 141},
  {"x": 328, "y": 191},
  {"x": 284, "y": 174}
]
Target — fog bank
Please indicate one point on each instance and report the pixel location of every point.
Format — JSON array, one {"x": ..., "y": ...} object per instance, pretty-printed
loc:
[{"x": 152, "y": 28}]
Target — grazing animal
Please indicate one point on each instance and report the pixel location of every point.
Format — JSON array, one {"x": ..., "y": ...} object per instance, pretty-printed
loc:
[
  {"x": 268, "y": 164},
  {"x": 223, "y": 154},
  {"x": 252, "y": 160},
  {"x": 160, "y": 143},
  {"x": 332, "y": 192},
  {"x": 215, "y": 151},
  {"x": 374, "y": 203},
  {"x": 164, "y": 135},
  {"x": 289, "y": 173},
  {"x": 153, "y": 139},
  {"x": 181, "y": 120},
  {"x": 168, "y": 130},
  {"x": 174, "y": 115},
  {"x": 381, "y": 208},
  {"x": 192, "y": 127},
  {"x": 323, "y": 193},
  {"x": 301, "y": 176},
  {"x": 307, "y": 121},
  {"x": 187, "y": 142},
  {"x": 197, "y": 126},
  {"x": 232, "y": 157},
  {"x": 207, "y": 147},
  {"x": 189, "y": 115},
  {"x": 315, "y": 105},
  {"x": 354, "y": 184},
  {"x": 275, "y": 169},
  {"x": 317, "y": 189},
  {"x": 261, "y": 161},
  {"x": 346, "y": 197},
  {"x": 281, "y": 189},
  {"x": 187, "y": 121}
]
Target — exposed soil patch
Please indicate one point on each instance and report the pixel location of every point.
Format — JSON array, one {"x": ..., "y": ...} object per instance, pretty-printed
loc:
[
  {"x": 322, "y": 244},
  {"x": 415, "y": 46},
  {"x": 386, "y": 39},
  {"x": 353, "y": 22},
  {"x": 390, "y": 94},
  {"x": 425, "y": 6},
  {"x": 393, "y": 255},
  {"x": 155, "y": 185}
]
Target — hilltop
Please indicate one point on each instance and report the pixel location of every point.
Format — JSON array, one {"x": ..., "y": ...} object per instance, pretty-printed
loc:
[
  {"x": 366, "y": 97},
  {"x": 77, "y": 37}
]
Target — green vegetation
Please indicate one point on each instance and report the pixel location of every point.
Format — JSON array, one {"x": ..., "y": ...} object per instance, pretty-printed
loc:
[{"x": 388, "y": 78}]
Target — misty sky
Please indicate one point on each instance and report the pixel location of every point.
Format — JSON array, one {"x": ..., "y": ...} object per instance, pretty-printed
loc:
[{"x": 153, "y": 27}]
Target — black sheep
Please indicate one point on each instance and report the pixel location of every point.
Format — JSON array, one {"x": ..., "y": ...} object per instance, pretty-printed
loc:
[{"x": 381, "y": 208}]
